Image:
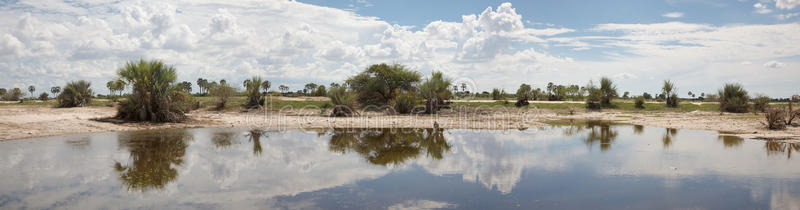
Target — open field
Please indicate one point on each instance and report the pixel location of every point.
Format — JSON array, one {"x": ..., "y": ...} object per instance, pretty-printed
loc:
[{"x": 34, "y": 120}]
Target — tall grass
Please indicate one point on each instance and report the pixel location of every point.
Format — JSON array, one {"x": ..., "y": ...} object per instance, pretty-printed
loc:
[
  {"x": 344, "y": 101},
  {"x": 154, "y": 96},
  {"x": 75, "y": 94},
  {"x": 435, "y": 90},
  {"x": 405, "y": 102}
]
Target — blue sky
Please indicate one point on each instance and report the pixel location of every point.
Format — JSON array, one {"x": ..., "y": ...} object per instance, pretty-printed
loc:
[{"x": 698, "y": 44}]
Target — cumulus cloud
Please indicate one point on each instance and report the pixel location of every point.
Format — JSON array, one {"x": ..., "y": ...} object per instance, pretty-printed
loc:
[
  {"x": 773, "y": 64},
  {"x": 787, "y": 15},
  {"x": 787, "y": 4},
  {"x": 673, "y": 15},
  {"x": 761, "y": 8}
]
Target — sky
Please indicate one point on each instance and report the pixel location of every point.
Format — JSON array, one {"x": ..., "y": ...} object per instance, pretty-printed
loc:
[{"x": 697, "y": 44}]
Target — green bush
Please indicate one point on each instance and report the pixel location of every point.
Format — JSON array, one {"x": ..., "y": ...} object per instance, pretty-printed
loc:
[
  {"x": 608, "y": 91},
  {"x": 377, "y": 84},
  {"x": 344, "y": 102},
  {"x": 75, "y": 94},
  {"x": 435, "y": 90},
  {"x": 154, "y": 95},
  {"x": 733, "y": 98},
  {"x": 223, "y": 92},
  {"x": 253, "y": 91},
  {"x": 405, "y": 102},
  {"x": 593, "y": 100},
  {"x": 760, "y": 103},
  {"x": 44, "y": 96},
  {"x": 496, "y": 95},
  {"x": 639, "y": 102},
  {"x": 523, "y": 95},
  {"x": 669, "y": 93}
]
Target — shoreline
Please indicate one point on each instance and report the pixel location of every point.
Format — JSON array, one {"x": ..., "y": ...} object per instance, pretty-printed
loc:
[{"x": 25, "y": 122}]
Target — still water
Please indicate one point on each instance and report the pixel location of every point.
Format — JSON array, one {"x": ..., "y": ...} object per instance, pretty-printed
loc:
[{"x": 573, "y": 167}]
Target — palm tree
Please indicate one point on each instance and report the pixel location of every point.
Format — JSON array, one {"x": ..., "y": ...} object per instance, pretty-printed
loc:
[
  {"x": 31, "y": 89},
  {"x": 265, "y": 85},
  {"x": 154, "y": 97},
  {"x": 252, "y": 88},
  {"x": 283, "y": 88},
  {"x": 435, "y": 90},
  {"x": 55, "y": 90},
  {"x": 608, "y": 90},
  {"x": 669, "y": 92}
]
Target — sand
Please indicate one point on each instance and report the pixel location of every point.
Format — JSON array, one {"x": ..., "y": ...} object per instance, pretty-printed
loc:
[{"x": 18, "y": 122}]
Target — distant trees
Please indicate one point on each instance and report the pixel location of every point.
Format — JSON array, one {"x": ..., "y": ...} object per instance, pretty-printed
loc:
[
  {"x": 639, "y": 102},
  {"x": 283, "y": 88},
  {"x": 223, "y": 91},
  {"x": 203, "y": 85},
  {"x": 647, "y": 96},
  {"x": 55, "y": 90},
  {"x": 733, "y": 98},
  {"x": 669, "y": 92},
  {"x": 625, "y": 95},
  {"x": 378, "y": 84},
  {"x": 154, "y": 95},
  {"x": 185, "y": 86},
  {"x": 760, "y": 103},
  {"x": 76, "y": 94},
  {"x": 3, "y": 93},
  {"x": 601, "y": 96},
  {"x": 115, "y": 87},
  {"x": 434, "y": 90},
  {"x": 44, "y": 96},
  {"x": 496, "y": 94},
  {"x": 310, "y": 88}
]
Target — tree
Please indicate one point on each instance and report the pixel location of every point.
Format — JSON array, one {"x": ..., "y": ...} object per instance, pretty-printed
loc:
[
  {"x": 344, "y": 101},
  {"x": 378, "y": 84},
  {"x": 733, "y": 98},
  {"x": 496, "y": 94},
  {"x": 3, "y": 93},
  {"x": 463, "y": 87},
  {"x": 55, "y": 90},
  {"x": 265, "y": 85},
  {"x": 154, "y": 95},
  {"x": 669, "y": 92},
  {"x": 608, "y": 90},
  {"x": 203, "y": 85},
  {"x": 321, "y": 91},
  {"x": 44, "y": 96},
  {"x": 691, "y": 94},
  {"x": 283, "y": 88},
  {"x": 223, "y": 92},
  {"x": 186, "y": 86},
  {"x": 75, "y": 94},
  {"x": 223, "y": 82},
  {"x": 523, "y": 95},
  {"x": 647, "y": 96},
  {"x": 625, "y": 95},
  {"x": 435, "y": 91},
  {"x": 31, "y": 89},
  {"x": 309, "y": 88},
  {"x": 15, "y": 94}
]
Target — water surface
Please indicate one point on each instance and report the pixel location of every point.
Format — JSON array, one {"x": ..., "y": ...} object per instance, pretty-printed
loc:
[{"x": 573, "y": 167}]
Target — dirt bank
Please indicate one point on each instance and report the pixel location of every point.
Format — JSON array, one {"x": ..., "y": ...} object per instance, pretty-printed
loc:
[{"x": 35, "y": 121}]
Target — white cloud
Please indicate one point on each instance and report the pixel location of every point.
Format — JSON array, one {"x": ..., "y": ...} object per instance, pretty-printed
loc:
[
  {"x": 786, "y": 4},
  {"x": 673, "y": 15},
  {"x": 787, "y": 15},
  {"x": 10, "y": 45},
  {"x": 761, "y": 8},
  {"x": 773, "y": 64}
]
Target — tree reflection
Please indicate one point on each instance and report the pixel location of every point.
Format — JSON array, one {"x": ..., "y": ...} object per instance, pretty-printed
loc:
[
  {"x": 390, "y": 146},
  {"x": 731, "y": 141},
  {"x": 223, "y": 140},
  {"x": 669, "y": 135},
  {"x": 154, "y": 157},
  {"x": 254, "y": 136},
  {"x": 777, "y": 148},
  {"x": 601, "y": 133},
  {"x": 638, "y": 129}
]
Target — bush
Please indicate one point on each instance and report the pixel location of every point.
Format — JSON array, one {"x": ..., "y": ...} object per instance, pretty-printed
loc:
[
  {"x": 669, "y": 93},
  {"x": 44, "y": 96},
  {"x": 711, "y": 98},
  {"x": 253, "y": 91},
  {"x": 775, "y": 118},
  {"x": 154, "y": 95},
  {"x": 496, "y": 94},
  {"x": 435, "y": 90},
  {"x": 377, "y": 85},
  {"x": 523, "y": 95},
  {"x": 760, "y": 103},
  {"x": 223, "y": 92},
  {"x": 639, "y": 102},
  {"x": 405, "y": 102},
  {"x": 75, "y": 94},
  {"x": 733, "y": 98},
  {"x": 593, "y": 100},
  {"x": 344, "y": 102},
  {"x": 13, "y": 95}
]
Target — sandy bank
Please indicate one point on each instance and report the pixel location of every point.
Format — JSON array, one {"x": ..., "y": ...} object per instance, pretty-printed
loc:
[{"x": 35, "y": 121}]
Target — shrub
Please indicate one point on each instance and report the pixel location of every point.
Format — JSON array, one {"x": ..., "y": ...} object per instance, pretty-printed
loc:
[
  {"x": 523, "y": 95},
  {"x": 13, "y": 95},
  {"x": 775, "y": 118},
  {"x": 344, "y": 102},
  {"x": 377, "y": 84},
  {"x": 639, "y": 102},
  {"x": 496, "y": 94},
  {"x": 253, "y": 91},
  {"x": 75, "y": 94},
  {"x": 44, "y": 96},
  {"x": 435, "y": 90},
  {"x": 669, "y": 93},
  {"x": 608, "y": 91},
  {"x": 760, "y": 103},
  {"x": 154, "y": 95},
  {"x": 223, "y": 92},
  {"x": 733, "y": 98},
  {"x": 593, "y": 100},
  {"x": 405, "y": 102}
]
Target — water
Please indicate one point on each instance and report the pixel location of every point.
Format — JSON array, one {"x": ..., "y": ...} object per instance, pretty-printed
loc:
[{"x": 580, "y": 167}]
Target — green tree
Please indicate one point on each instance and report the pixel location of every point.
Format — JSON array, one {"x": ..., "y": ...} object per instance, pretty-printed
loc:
[
  {"x": 283, "y": 88},
  {"x": 266, "y": 85},
  {"x": 377, "y": 84},
  {"x": 321, "y": 91},
  {"x": 15, "y": 95},
  {"x": 523, "y": 95},
  {"x": 223, "y": 92},
  {"x": 154, "y": 95},
  {"x": 253, "y": 91},
  {"x": 310, "y": 88},
  {"x": 75, "y": 94},
  {"x": 44, "y": 96},
  {"x": 670, "y": 93},
  {"x": 31, "y": 89},
  {"x": 608, "y": 90},
  {"x": 496, "y": 94},
  {"x": 435, "y": 91},
  {"x": 344, "y": 101}
]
